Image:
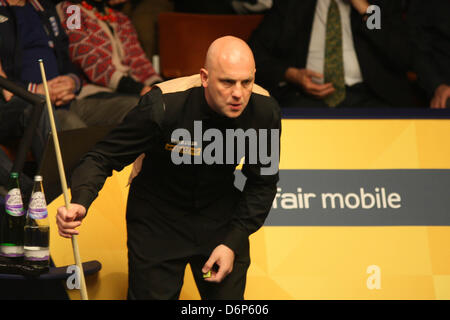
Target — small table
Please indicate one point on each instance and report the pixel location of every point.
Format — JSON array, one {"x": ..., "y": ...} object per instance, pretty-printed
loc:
[{"x": 47, "y": 286}]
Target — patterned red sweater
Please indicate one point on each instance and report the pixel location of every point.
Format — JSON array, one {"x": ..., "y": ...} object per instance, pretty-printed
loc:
[{"x": 105, "y": 58}]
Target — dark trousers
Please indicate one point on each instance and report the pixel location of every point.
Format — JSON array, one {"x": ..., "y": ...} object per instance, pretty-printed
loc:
[
  {"x": 163, "y": 280},
  {"x": 163, "y": 239},
  {"x": 357, "y": 96},
  {"x": 101, "y": 109}
]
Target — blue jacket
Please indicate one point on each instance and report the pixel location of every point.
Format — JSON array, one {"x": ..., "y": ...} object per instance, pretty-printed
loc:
[{"x": 10, "y": 49}]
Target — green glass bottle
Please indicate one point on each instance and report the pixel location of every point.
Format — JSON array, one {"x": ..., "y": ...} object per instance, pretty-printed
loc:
[
  {"x": 37, "y": 228},
  {"x": 13, "y": 221}
]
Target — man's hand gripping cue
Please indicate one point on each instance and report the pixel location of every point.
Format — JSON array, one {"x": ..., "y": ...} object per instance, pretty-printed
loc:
[{"x": 68, "y": 220}]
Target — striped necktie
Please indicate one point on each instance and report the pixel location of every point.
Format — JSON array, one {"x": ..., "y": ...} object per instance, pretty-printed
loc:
[{"x": 334, "y": 61}]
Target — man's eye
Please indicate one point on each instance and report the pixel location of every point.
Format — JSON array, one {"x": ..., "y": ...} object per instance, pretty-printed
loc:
[{"x": 228, "y": 82}]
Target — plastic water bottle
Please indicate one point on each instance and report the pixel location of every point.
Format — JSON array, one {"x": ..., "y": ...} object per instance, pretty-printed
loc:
[
  {"x": 13, "y": 220},
  {"x": 37, "y": 229}
]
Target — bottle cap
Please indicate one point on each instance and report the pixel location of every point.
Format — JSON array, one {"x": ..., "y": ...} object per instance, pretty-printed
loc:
[{"x": 37, "y": 178}]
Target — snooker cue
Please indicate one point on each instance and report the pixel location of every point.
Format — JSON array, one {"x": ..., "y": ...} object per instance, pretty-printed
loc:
[{"x": 62, "y": 175}]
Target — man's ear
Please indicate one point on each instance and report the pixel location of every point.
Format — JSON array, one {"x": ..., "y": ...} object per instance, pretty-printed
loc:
[{"x": 204, "y": 77}]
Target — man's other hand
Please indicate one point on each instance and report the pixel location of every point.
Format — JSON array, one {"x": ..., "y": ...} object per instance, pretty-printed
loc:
[{"x": 223, "y": 257}]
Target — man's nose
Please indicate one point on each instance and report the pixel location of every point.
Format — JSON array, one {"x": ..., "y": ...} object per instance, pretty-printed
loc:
[{"x": 237, "y": 91}]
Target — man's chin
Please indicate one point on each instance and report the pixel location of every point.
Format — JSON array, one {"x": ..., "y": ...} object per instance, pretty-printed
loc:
[{"x": 234, "y": 113}]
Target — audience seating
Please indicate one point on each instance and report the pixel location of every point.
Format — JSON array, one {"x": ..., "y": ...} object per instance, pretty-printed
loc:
[{"x": 184, "y": 38}]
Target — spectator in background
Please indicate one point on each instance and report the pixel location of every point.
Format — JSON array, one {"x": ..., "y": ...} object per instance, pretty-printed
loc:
[
  {"x": 106, "y": 48},
  {"x": 223, "y": 6},
  {"x": 430, "y": 34},
  {"x": 144, "y": 16},
  {"x": 31, "y": 30},
  {"x": 321, "y": 53}
]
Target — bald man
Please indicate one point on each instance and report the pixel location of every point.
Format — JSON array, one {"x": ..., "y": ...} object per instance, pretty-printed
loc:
[{"x": 183, "y": 206}]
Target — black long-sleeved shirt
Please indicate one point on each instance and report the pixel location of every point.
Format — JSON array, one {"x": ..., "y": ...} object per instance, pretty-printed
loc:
[{"x": 206, "y": 189}]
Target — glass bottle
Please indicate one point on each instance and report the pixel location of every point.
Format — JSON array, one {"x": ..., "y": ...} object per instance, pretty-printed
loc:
[
  {"x": 13, "y": 221},
  {"x": 37, "y": 229}
]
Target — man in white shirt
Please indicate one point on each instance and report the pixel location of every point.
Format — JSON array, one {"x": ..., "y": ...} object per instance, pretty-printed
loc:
[
  {"x": 316, "y": 53},
  {"x": 362, "y": 67}
]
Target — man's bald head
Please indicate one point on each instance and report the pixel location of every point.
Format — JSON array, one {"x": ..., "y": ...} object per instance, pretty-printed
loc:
[
  {"x": 228, "y": 49},
  {"x": 228, "y": 76}
]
